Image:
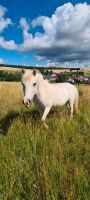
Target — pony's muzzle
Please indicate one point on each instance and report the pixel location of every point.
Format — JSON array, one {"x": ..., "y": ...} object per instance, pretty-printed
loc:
[{"x": 27, "y": 102}]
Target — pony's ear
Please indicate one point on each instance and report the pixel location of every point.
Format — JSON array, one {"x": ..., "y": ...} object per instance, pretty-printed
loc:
[
  {"x": 34, "y": 72},
  {"x": 23, "y": 71}
]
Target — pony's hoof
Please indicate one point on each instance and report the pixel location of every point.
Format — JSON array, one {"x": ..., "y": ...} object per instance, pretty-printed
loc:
[
  {"x": 45, "y": 125},
  {"x": 71, "y": 117}
]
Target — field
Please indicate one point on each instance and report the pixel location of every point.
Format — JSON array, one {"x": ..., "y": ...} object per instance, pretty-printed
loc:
[
  {"x": 40, "y": 164},
  {"x": 9, "y": 69},
  {"x": 13, "y": 70}
]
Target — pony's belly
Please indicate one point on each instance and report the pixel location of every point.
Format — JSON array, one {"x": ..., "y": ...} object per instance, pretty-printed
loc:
[
  {"x": 60, "y": 102},
  {"x": 61, "y": 97}
]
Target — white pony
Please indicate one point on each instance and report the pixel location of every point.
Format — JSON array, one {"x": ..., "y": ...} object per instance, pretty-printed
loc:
[{"x": 46, "y": 95}]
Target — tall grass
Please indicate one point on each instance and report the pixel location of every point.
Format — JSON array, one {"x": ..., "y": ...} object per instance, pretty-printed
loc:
[{"x": 40, "y": 164}]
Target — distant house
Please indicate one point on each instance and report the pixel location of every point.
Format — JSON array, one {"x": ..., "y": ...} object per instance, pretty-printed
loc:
[
  {"x": 52, "y": 77},
  {"x": 73, "y": 75},
  {"x": 75, "y": 70},
  {"x": 86, "y": 79},
  {"x": 82, "y": 79},
  {"x": 71, "y": 80}
]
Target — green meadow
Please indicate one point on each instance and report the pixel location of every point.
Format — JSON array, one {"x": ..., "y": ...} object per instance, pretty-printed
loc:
[{"x": 38, "y": 163}]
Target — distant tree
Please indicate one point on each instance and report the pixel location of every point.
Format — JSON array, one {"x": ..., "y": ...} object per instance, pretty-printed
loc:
[
  {"x": 41, "y": 70},
  {"x": 5, "y": 76},
  {"x": 63, "y": 77},
  {"x": 46, "y": 72},
  {"x": 81, "y": 73},
  {"x": 51, "y": 72}
]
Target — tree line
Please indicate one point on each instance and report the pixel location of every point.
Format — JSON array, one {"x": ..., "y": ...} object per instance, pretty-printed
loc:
[{"x": 7, "y": 76}]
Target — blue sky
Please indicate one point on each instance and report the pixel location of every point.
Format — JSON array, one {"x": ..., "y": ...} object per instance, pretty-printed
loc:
[{"x": 45, "y": 32}]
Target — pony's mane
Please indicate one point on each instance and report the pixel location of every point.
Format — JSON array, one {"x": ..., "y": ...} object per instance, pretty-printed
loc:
[{"x": 39, "y": 76}]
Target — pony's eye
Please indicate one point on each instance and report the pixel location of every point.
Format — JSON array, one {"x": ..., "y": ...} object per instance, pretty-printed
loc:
[{"x": 34, "y": 84}]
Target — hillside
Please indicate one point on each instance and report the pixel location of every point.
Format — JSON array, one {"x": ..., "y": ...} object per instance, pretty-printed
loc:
[
  {"x": 9, "y": 69},
  {"x": 38, "y": 163}
]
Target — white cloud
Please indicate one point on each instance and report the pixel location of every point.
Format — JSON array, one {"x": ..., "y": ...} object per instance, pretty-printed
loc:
[
  {"x": 9, "y": 45},
  {"x": 4, "y": 22},
  {"x": 24, "y": 24},
  {"x": 2, "y": 61},
  {"x": 72, "y": 64},
  {"x": 38, "y": 21},
  {"x": 65, "y": 37}
]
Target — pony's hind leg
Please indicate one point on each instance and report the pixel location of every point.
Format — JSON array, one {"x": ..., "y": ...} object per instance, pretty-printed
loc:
[
  {"x": 68, "y": 104},
  {"x": 71, "y": 110}
]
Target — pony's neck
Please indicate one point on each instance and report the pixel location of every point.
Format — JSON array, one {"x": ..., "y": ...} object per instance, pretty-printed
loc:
[
  {"x": 41, "y": 80},
  {"x": 42, "y": 85}
]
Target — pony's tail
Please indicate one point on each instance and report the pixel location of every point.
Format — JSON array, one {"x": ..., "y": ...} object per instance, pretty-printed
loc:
[{"x": 76, "y": 103}]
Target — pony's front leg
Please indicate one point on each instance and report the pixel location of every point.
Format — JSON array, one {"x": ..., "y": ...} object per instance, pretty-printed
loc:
[
  {"x": 40, "y": 111},
  {"x": 46, "y": 111}
]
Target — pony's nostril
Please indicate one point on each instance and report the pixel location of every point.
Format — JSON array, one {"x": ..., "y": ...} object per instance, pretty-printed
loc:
[
  {"x": 22, "y": 101},
  {"x": 29, "y": 100},
  {"x": 26, "y": 102}
]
